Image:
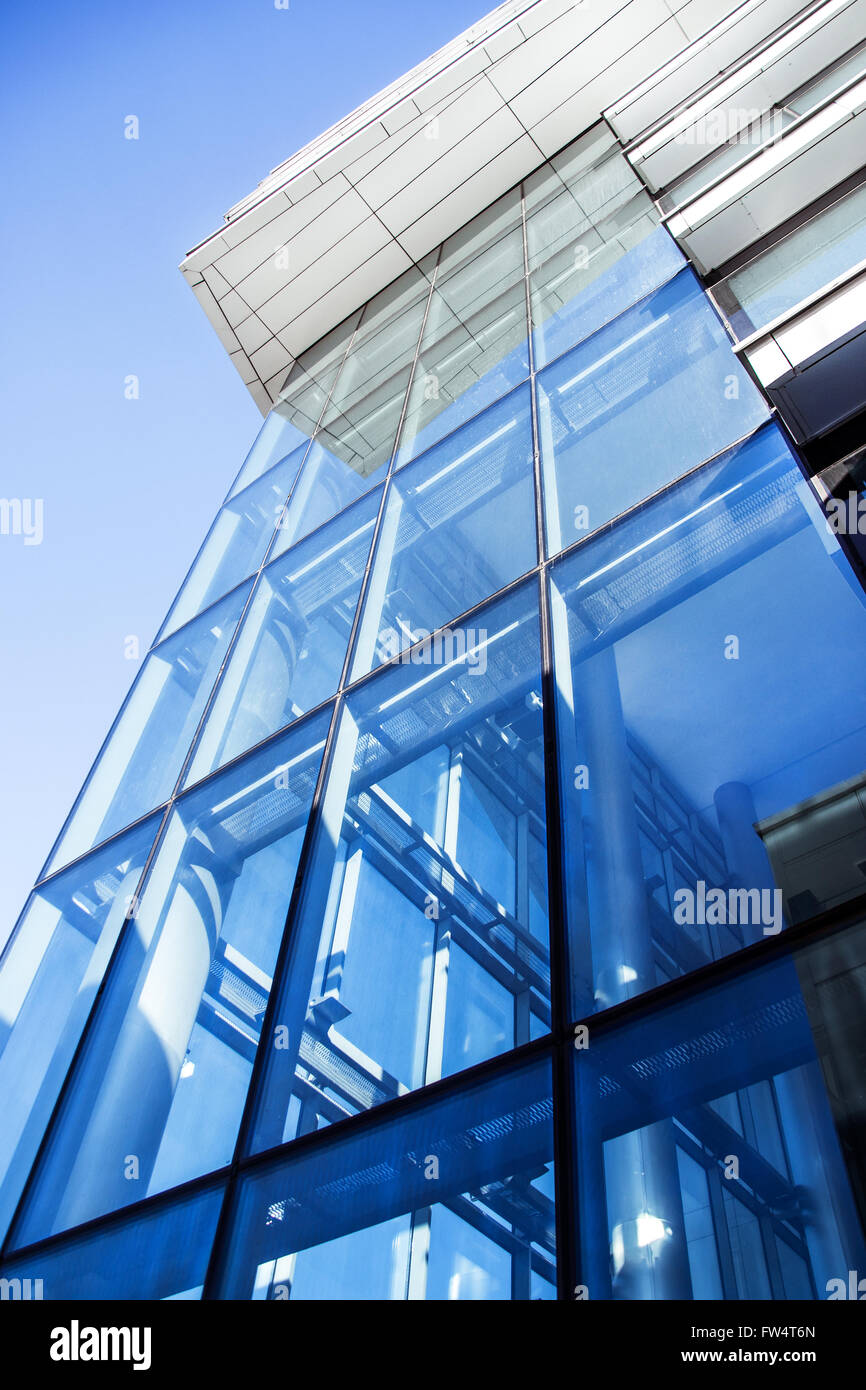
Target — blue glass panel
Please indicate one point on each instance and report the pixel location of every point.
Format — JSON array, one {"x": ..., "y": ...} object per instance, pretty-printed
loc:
[
  {"x": 651, "y": 395},
  {"x": 593, "y": 240},
  {"x": 451, "y": 1200},
  {"x": 326, "y": 485},
  {"x": 420, "y": 942},
  {"x": 49, "y": 974},
  {"x": 459, "y": 524},
  {"x": 593, "y": 291},
  {"x": 276, "y": 440},
  {"x": 302, "y": 400},
  {"x": 363, "y": 414},
  {"x": 291, "y": 647},
  {"x": 159, "y": 1253},
  {"x": 684, "y": 1191},
  {"x": 158, "y": 1089},
  {"x": 832, "y": 973},
  {"x": 797, "y": 266},
  {"x": 474, "y": 347},
  {"x": 138, "y": 765},
  {"x": 236, "y": 544},
  {"x": 709, "y": 659}
]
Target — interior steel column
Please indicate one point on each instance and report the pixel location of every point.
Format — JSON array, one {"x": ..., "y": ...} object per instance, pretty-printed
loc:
[{"x": 645, "y": 1214}]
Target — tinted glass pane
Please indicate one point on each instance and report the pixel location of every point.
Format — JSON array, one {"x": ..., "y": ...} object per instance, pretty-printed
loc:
[
  {"x": 648, "y": 397},
  {"x": 305, "y": 391},
  {"x": 49, "y": 974},
  {"x": 140, "y": 761},
  {"x": 709, "y": 657},
  {"x": 236, "y": 545},
  {"x": 277, "y": 438},
  {"x": 452, "y": 1200},
  {"x": 420, "y": 944},
  {"x": 684, "y": 1190},
  {"x": 459, "y": 524},
  {"x": 363, "y": 414},
  {"x": 326, "y": 485},
  {"x": 158, "y": 1091},
  {"x": 799, "y": 265},
  {"x": 159, "y": 1253},
  {"x": 832, "y": 973},
  {"x": 291, "y": 647},
  {"x": 474, "y": 346},
  {"x": 593, "y": 240},
  {"x": 302, "y": 399}
]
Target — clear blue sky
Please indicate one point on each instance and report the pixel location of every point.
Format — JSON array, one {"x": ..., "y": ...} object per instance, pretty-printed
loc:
[{"x": 93, "y": 228}]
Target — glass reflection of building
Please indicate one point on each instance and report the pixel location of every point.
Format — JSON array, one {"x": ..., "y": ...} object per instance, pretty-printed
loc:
[{"x": 467, "y": 901}]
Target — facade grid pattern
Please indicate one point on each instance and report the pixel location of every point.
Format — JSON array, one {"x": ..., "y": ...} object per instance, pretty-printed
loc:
[{"x": 391, "y": 963}]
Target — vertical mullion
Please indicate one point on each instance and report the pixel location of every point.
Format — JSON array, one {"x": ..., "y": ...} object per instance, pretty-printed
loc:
[
  {"x": 368, "y": 568},
  {"x": 216, "y": 1259},
  {"x": 563, "y": 1127},
  {"x": 415, "y": 360}
]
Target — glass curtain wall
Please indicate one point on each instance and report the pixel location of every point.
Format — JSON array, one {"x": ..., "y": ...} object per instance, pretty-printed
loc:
[{"x": 518, "y": 675}]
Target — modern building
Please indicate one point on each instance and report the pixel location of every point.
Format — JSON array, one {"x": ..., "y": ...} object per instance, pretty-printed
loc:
[{"x": 468, "y": 900}]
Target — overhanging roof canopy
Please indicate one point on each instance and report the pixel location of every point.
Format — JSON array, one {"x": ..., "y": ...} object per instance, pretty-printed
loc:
[{"x": 358, "y": 206}]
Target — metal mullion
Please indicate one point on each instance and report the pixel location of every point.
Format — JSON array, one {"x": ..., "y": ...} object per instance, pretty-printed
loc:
[
  {"x": 565, "y": 1171},
  {"x": 644, "y": 503},
  {"x": 565, "y": 1177},
  {"x": 403, "y": 658},
  {"x": 144, "y": 1206},
  {"x": 209, "y": 702},
  {"x": 522, "y": 1006},
  {"x": 386, "y": 490},
  {"x": 395, "y": 1106},
  {"x": 216, "y": 1260},
  {"x": 422, "y": 1097},
  {"x": 329, "y": 395},
  {"x": 540, "y": 533},
  {"x": 358, "y": 326},
  {"x": 79, "y": 859},
  {"x": 833, "y": 921},
  {"x": 415, "y": 360}
]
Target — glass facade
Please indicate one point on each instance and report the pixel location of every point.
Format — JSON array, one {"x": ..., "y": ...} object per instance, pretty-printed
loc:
[
  {"x": 457, "y": 907},
  {"x": 798, "y": 265}
]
